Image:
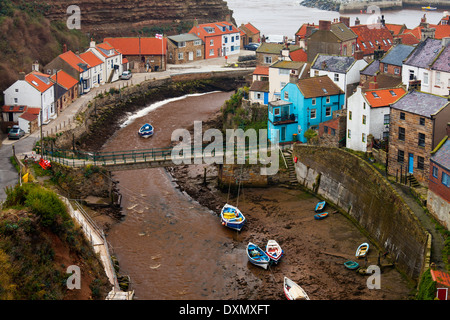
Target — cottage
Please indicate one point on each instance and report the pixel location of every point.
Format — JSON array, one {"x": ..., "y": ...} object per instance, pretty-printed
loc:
[
  {"x": 269, "y": 53},
  {"x": 331, "y": 38},
  {"x": 303, "y": 105},
  {"x": 112, "y": 66},
  {"x": 438, "y": 198},
  {"x": 70, "y": 85},
  {"x": 416, "y": 67},
  {"x": 343, "y": 70},
  {"x": 283, "y": 72},
  {"x": 417, "y": 124},
  {"x": 368, "y": 113},
  {"x": 219, "y": 38},
  {"x": 74, "y": 66},
  {"x": 33, "y": 90},
  {"x": 372, "y": 38},
  {"x": 303, "y": 33},
  {"x": 259, "y": 92},
  {"x": 249, "y": 34},
  {"x": 392, "y": 61},
  {"x": 29, "y": 121},
  {"x": 142, "y": 53},
  {"x": 184, "y": 48},
  {"x": 442, "y": 280}
]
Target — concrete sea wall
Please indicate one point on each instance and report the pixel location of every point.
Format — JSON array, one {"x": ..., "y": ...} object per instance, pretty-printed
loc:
[{"x": 357, "y": 188}]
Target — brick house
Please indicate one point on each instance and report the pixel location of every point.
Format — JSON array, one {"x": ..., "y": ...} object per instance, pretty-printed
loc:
[
  {"x": 269, "y": 53},
  {"x": 392, "y": 61},
  {"x": 438, "y": 199},
  {"x": 184, "y": 48},
  {"x": 372, "y": 38},
  {"x": 442, "y": 280},
  {"x": 220, "y": 38},
  {"x": 417, "y": 124},
  {"x": 331, "y": 38},
  {"x": 332, "y": 132},
  {"x": 249, "y": 34},
  {"x": 70, "y": 89}
]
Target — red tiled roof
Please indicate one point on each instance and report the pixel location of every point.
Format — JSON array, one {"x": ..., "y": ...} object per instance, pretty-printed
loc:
[
  {"x": 73, "y": 60},
  {"x": 408, "y": 39},
  {"x": 91, "y": 59},
  {"x": 261, "y": 70},
  {"x": 416, "y": 32},
  {"x": 395, "y": 28},
  {"x": 29, "y": 116},
  {"x": 301, "y": 32},
  {"x": 34, "y": 110},
  {"x": 373, "y": 38},
  {"x": 14, "y": 109},
  {"x": 251, "y": 28},
  {"x": 37, "y": 82},
  {"x": 107, "y": 46},
  {"x": 441, "y": 31},
  {"x": 384, "y": 97},
  {"x": 440, "y": 277},
  {"x": 202, "y": 33},
  {"x": 130, "y": 46},
  {"x": 298, "y": 55},
  {"x": 64, "y": 79}
]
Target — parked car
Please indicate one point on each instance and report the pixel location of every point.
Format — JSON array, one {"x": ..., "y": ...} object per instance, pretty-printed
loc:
[
  {"x": 251, "y": 46},
  {"x": 15, "y": 133},
  {"x": 126, "y": 75}
]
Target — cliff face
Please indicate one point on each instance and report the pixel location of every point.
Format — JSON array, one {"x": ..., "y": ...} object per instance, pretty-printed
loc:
[{"x": 123, "y": 18}]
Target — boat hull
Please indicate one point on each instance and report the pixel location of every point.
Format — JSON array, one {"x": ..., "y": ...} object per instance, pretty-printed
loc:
[
  {"x": 320, "y": 206},
  {"x": 352, "y": 265},
  {"x": 232, "y": 217},
  {"x": 321, "y": 216},
  {"x": 293, "y": 291},
  {"x": 146, "y": 131},
  {"x": 274, "y": 251},
  {"x": 257, "y": 256},
  {"x": 362, "y": 250}
]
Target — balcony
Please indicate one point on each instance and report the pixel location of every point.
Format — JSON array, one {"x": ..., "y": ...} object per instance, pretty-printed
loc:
[{"x": 291, "y": 118}]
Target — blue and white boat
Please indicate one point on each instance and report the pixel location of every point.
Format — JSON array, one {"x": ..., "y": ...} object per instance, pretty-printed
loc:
[
  {"x": 232, "y": 217},
  {"x": 320, "y": 206},
  {"x": 146, "y": 130},
  {"x": 257, "y": 256},
  {"x": 321, "y": 216}
]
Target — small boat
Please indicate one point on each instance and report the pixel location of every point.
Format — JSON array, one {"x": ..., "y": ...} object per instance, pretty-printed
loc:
[
  {"x": 257, "y": 256},
  {"x": 320, "y": 205},
  {"x": 232, "y": 217},
  {"x": 352, "y": 265},
  {"x": 293, "y": 291},
  {"x": 321, "y": 216},
  {"x": 274, "y": 251},
  {"x": 429, "y": 8},
  {"x": 146, "y": 130},
  {"x": 362, "y": 250}
]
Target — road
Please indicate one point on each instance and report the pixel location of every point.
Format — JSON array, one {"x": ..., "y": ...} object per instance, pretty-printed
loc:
[{"x": 9, "y": 175}]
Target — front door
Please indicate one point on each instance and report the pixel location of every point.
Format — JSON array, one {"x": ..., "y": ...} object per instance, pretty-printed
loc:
[
  {"x": 283, "y": 134},
  {"x": 191, "y": 56},
  {"x": 411, "y": 163}
]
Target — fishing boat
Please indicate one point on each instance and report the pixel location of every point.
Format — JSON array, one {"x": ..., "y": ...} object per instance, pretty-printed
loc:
[
  {"x": 293, "y": 291},
  {"x": 352, "y": 265},
  {"x": 257, "y": 256},
  {"x": 146, "y": 130},
  {"x": 274, "y": 251},
  {"x": 429, "y": 8},
  {"x": 232, "y": 217},
  {"x": 362, "y": 250},
  {"x": 320, "y": 205},
  {"x": 321, "y": 216}
]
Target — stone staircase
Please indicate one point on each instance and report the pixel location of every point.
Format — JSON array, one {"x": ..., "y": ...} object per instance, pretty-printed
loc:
[
  {"x": 411, "y": 180},
  {"x": 290, "y": 166}
]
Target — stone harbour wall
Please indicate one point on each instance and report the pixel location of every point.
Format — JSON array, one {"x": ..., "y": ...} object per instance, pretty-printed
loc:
[{"x": 368, "y": 199}]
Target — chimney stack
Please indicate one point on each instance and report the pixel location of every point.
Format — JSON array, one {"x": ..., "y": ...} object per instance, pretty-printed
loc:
[
  {"x": 325, "y": 25},
  {"x": 21, "y": 75},
  {"x": 195, "y": 22},
  {"x": 64, "y": 48},
  {"x": 92, "y": 43},
  {"x": 345, "y": 20},
  {"x": 357, "y": 22},
  {"x": 373, "y": 84},
  {"x": 359, "y": 55},
  {"x": 35, "y": 66}
]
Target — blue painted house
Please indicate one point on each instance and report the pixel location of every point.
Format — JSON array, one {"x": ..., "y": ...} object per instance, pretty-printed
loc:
[{"x": 303, "y": 105}]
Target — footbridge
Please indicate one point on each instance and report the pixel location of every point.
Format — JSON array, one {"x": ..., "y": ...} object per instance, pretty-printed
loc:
[{"x": 154, "y": 157}]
